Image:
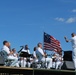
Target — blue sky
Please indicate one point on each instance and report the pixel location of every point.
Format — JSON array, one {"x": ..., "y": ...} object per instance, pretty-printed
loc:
[{"x": 24, "y": 21}]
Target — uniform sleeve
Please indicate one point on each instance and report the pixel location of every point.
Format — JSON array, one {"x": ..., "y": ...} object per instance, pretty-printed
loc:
[
  {"x": 34, "y": 54},
  {"x": 41, "y": 51},
  {"x": 6, "y": 49},
  {"x": 28, "y": 51},
  {"x": 70, "y": 40}
]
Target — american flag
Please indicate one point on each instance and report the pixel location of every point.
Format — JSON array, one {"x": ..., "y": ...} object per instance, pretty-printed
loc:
[{"x": 50, "y": 43}]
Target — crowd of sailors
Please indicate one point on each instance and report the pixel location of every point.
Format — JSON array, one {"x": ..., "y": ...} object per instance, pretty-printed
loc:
[{"x": 39, "y": 58}]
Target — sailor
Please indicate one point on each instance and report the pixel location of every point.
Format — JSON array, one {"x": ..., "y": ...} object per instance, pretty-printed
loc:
[
  {"x": 24, "y": 61},
  {"x": 41, "y": 56},
  {"x": 73, "y": 41},
  {"x": 9, "y": 53},
  {"x": 34, "y": 55},
  {"x": 59, "y": 60}
]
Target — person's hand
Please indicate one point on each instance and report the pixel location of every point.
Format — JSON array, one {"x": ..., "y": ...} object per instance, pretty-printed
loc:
[
  {"x": 65, "y": 37},
  {"x": 55, "y": 50},
  {"x": 17, "y": 54},
  {"x": 11, "y": 52}
]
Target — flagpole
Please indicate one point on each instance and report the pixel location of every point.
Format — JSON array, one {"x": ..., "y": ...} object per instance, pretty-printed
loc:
[
  {"x": 45, "y": 56},
  {"x": 43, "y": 46}
]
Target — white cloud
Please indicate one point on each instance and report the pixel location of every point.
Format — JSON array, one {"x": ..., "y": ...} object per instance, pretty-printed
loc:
[
  {"x": 74, "y": 10},
  {"x": 68, "y": 20},
  {"x": 71, "y": 20},
  {"x": 59, "y": 19}
]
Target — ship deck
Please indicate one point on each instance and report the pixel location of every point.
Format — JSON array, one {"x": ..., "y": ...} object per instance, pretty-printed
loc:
[{"x": 32, "y": 71}]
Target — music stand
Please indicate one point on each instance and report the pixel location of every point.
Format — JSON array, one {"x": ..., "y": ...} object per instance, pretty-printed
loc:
[{"x": 24, "y": 55}]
